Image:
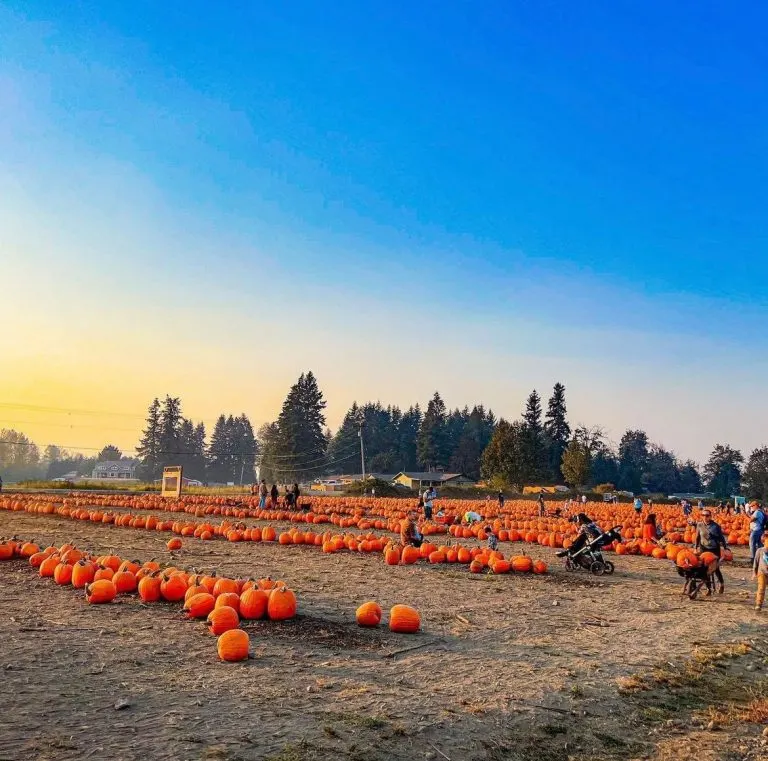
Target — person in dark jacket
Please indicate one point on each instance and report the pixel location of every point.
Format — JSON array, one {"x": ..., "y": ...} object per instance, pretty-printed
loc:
[
  {"x": 588, "y": 530},
  {"x": 710, "y": 538},
  {"x": 296, "y": 494},
  {"x": 274, "y": 494}
]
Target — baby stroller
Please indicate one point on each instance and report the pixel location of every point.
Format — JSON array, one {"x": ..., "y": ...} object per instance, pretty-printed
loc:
[
  {"x": 590, "y": 556},
  {"x": 699, "y": 573}
]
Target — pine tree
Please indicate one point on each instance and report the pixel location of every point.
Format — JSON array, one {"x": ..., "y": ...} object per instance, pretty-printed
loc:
[
  {"x": 407, "y": 435},
  {"x": 245, "y": 449},
  {"x": 507, "y": 460},
  {"x": 219, "y": 466},
  {"x": 723, "y": 471},
  {"x": 689, "y": 478},
  {"x": 148, "y": 450},
  {"x": 431, "y": 441},
  {"x": 532, "y": 412},
  {"x": 474, "y": 439},
  {"x": 633, "y": 460},
  {"x": 170, "y": 448},
  {"x": 535, "y": 443},
  {"x": 756, "y": 475},
  {"x": 301, "y": 435},
  {"x": 556, "y": 429}
]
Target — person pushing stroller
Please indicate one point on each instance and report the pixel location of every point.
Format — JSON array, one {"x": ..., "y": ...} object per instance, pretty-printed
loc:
[{"x": 588, "y": 530}]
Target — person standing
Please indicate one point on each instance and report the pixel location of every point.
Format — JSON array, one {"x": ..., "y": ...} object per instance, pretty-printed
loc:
[
  {"x": 756, "y": 530},
  {"x": 542, "y": 506},
  {"x": 429, "y": 498},
  {"x": 501, "y": 499},
  {"x": 262, "y": 494},
  {"x": 274, "y": 495},
  {"x": 296, "y": 494},
  {"x": 710, "y": 538},
  {"x": 760, "y": 573},
  {"x": 583, "y": 499},
  {"x": 638, "y": 505}
]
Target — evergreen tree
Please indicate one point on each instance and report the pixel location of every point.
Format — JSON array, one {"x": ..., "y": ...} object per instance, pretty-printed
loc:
[
  {"x": 431, "y": 444},
  {"x": 633, "y": 460},
  {"x": 756, "y": 475},
  {"x": 220, "y": 466},
  {"x": 148, "y": 451},
  {"x": 535, "y": 442},
  {"x": 301, "y": 445},
  {"x": 661, "y": 473},
  {"x": 556, "y": 429},
  {"x": 110, "y": 453},
  {"x": 170, "y": 445},
  {"x": 245, "y": 450},
  {"x": 532, "y": 413},
  {"x": 407, "y": 436},
  {"x": 689, "y": 478},
  {"x": 474, "y": 439},
  {"x": 192, "y": 442},
  {"x": 507, "y": 459},
  {"x": 723, "y": 471},
  {"x": 19, "y": 456}
]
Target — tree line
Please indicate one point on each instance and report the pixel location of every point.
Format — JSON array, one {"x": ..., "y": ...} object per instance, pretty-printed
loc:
[{"x": 539, "y": 447}]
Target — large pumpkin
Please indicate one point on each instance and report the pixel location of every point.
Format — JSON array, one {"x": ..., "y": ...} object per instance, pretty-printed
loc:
[
  {"x": 282, "y": 604},
  {"x": 233, "y": 645},
  {"x": 200, "y": 605},
  {"x": 253, "y": 603},
  {"x": 223, "y": 619},
  {"x": 404, "y": 619},
  {"x": 100, "y": 592}
]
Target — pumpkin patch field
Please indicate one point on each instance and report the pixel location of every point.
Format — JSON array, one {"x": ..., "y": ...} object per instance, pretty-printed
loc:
[{"x": 137, "y": 628}]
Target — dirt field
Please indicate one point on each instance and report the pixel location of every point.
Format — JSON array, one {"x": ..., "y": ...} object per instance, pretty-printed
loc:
[{"x": 558, "y": 667}]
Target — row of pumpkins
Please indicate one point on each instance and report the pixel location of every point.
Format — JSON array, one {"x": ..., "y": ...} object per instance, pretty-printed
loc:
[
  {"x": 476, "y": 558},
  {"x": 223, "y": 602}
]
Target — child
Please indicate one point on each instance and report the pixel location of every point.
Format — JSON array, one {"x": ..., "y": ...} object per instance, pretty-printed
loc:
[
  {"x": 493, "y": 542},
  {"x": 760, "y": 572}
]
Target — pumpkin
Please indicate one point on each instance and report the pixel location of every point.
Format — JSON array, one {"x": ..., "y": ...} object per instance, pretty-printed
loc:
[
  {"x": 36, "y": 560},
  {"x": 409, "y": 555},
  {"x": 230, "y": 599},
  {"x": 392, "y": 555},
  {"x": 404, "y": 619},
  {"x": 281, "y": 604},
  {"x": 522, "y": 564},
  {"x": 82, "y": 573},
  {"x": 124, "y": 582},
  {"x": 7, "y": 550},
  {"x": 707, "y": 558},
  {"x": 195, "y": 589},
  {"x": 501, "y": 566},
  {"x": 101, "y": 591},
  {"x": 368, "y": 614},
  {"x": 149, "y": 587},
  {"x": 174, "y": 544},
  {"x": 28, "y": 549},
  {"x": 103, "y": 572},
  {"x": 233, "y": 645},
  {"x": 222, "y": 619},
  {"x": 48, "y": 566},
  {"x": 539, "y": 566},
  {"x": 253, "y": 603},
  {"x": 200, "y": 605},
  {"x": 62, "y": 574},
  {"x": 173, "y": 588},
  {"x": 225, "y": 585},
  {"x": 476, "y": 566}
]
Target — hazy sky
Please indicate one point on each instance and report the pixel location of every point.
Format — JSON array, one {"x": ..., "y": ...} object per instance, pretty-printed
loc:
[{"x": 206, "y": 200}]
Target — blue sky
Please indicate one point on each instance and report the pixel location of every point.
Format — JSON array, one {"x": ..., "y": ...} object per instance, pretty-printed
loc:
[{"x": 555, "y": 191}]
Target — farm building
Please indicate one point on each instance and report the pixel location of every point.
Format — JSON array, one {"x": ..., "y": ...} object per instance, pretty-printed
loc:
[{"x": 421, "y": 480}]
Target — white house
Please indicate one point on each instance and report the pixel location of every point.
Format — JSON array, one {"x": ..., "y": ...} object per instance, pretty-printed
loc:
[{"x": 122, "y": 469}]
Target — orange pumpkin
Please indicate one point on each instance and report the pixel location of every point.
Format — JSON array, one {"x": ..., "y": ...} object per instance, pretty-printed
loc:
[
  {"x": 253, "y": 603},
  {"x": 282, "y": 604},
  {"x": 404, "y": 619},
  {"x": 222, "y": 619},
  {"x": 368, "y": 614},
  {"x": 101, "y": 591},
  {"x": 233, "y": 645}
]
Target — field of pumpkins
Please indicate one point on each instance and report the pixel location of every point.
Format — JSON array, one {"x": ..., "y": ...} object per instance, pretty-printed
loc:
[{"x": 321, "y": 607}]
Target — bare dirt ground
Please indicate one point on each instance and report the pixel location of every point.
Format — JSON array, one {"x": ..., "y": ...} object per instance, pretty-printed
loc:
[{"x": 559, "y": 667}]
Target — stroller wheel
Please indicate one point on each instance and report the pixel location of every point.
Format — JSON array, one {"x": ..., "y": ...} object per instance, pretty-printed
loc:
[
  {"x": 609, "y": 567},
  {"x": 597, "y": 568},
  {"x": 569, "y": 564}
]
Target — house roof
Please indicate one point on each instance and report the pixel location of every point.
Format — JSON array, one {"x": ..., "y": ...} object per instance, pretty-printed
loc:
[{"x": 115, "y": 465}]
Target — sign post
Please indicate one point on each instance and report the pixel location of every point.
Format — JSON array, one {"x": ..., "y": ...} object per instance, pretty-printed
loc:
[{"x": 171, "y": 486}]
